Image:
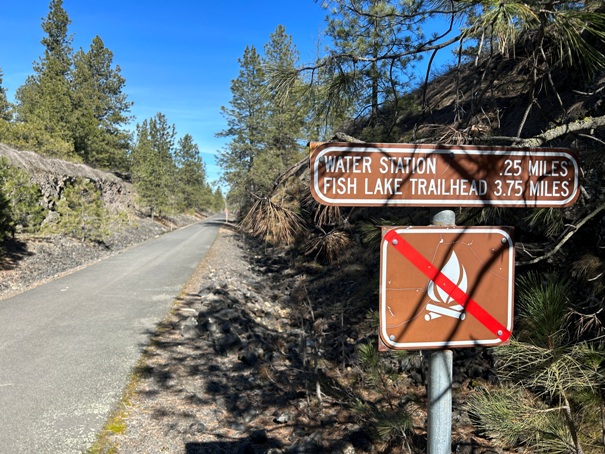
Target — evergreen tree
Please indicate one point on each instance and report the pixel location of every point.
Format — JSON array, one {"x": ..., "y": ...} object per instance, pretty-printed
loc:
[
  {"x": 44, "y": 105},
  {"x": 152, "y": 165},
  {"x": 5, "y": 114},
  {"x": 247, "y": 121},
  {"x": 81, "y": 211},
  {"x": 6, "y": 220},
  {"x": 218, "y": 200},
  {"x": 26, "y": 211},
  {"x": 285, "y": 120},
  {"x": 364, "y": 33},
  {"x": 191, "y": 174},
  {"x": 100, "y": 108}
]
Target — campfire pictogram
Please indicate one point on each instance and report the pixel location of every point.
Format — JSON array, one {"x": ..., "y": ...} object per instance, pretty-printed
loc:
[{"x": 443, "y": 306}]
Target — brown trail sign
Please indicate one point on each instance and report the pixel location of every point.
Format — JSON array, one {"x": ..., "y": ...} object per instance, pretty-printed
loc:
[
  {"x": 353, "y": 174},
  {"x": 446, "y": 287}
]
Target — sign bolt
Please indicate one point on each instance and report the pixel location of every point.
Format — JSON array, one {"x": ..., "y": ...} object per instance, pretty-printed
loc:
[
  {"x": 392, "y": 337},
  {"x": 499, "y": 332},
  {"x": 503, "y": 240},
  {"x": 395, "y": 242}
]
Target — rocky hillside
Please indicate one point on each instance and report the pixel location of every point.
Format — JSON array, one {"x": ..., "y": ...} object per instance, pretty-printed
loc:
[{"x": 52, "y": 175}]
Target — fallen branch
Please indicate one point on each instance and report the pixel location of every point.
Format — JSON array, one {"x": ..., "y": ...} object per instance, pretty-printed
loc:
[{"x": 558, "y": 131}]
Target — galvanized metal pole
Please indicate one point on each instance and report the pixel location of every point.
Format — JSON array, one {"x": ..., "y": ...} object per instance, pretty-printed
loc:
[{"x": 439, "y": 388}]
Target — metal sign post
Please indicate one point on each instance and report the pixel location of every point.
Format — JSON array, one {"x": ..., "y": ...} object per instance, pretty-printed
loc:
[{"x": 439, "y": 386}]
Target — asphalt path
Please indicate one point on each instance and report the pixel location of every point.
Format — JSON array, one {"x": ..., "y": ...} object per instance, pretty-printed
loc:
[{"x": 67, "y": 348}]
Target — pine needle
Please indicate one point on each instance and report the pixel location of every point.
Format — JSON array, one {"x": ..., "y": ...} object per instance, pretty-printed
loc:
[{"x": 272, "y": 222}]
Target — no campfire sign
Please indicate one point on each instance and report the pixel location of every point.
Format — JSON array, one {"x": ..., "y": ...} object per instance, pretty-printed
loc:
[{"x": 446, "y": 287}]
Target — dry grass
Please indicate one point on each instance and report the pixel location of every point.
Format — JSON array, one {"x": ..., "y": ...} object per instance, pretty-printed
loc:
[{"x": 329, "y": 247}]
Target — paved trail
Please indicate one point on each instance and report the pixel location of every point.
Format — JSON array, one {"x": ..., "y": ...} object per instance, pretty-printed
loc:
[{"x": 67, "y": 347}]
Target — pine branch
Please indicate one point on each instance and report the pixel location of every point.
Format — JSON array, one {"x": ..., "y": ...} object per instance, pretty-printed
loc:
[
  {"x": 563, "y": 240},
  {"x": 551, "y": 134},
  {"x": 558, "y": 131}
]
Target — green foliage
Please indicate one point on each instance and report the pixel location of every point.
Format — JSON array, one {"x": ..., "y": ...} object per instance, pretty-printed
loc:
[
  {"x": 513, "y": 416},
  {"x": 168, "y": 177},
  {"x": 73, "y": 107},
  {"x": 392, "y": 423},
  {"x": 557, "y": 381},
  {"x": 25, "y": 210},
  {"x": 33, "y": 135},
  {"x": 286, "y": 118},
  {"x": 5, "y": 107},
  {"x": 44, "y": 101},
  {"x": 218, "y": 200},
  {"x": 195, "y": 193},
  {"x": 6, "y": 222},
  {"x": 368, "y": 31},
  {"x": 550, "y": 221},
  {"x": 570, "y": 29},
  {"x": 81, "y": 213},
  {"x": 544, "y": 307},
  {"x": 245, "y": 120},
  {"x": 100, "y": 108},
  {"x": 153, "y": 166},
  {"x": 266, "y": 131},
  {"x": 553, "y": 401}
]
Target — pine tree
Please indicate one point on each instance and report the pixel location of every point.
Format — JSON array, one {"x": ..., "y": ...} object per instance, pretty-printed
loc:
[
  {"x": 246, "y": 120},
  {"x": 44, "y": 105},
  {"x": 5, "y": 115},
  {"x": 364, "y": 33},
  {"x": 100, "y": 108},
  {"x": 6, "y": 220},
  {"x": 153, "y": 167},
  {"x": 191, "y": 175},
  {"x": 285, "y": 118},
  {"x": 5, "y": 107},
  {"x": 218, "y": 200},
  {"x": 26, "y": 211},
  {"x": 82, "y": 214}
]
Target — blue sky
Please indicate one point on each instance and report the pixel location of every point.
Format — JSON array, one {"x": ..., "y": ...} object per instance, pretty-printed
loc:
[{"x": 178, "y": 57}]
